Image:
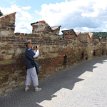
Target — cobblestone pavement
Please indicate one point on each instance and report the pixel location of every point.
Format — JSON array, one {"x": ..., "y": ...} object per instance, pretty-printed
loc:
[{"x": 84, "y": 85}]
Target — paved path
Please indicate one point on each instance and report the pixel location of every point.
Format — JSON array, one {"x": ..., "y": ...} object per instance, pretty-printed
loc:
[{"x": 84, "y": 85}]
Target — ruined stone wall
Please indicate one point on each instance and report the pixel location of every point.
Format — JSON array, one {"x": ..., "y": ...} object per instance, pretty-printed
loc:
[
  {"x": 7, "y": 24},
  {"x": 51, "y": 59},
  {"x": 55, "y": 54}
]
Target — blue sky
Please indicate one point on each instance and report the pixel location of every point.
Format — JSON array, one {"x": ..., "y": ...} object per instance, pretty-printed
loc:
[
  {"x": 35, "y": 4},
  {"x": 80, "y": 15}
]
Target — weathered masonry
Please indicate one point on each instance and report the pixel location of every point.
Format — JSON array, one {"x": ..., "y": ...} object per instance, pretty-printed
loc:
[{"x": 56, "y": 51}]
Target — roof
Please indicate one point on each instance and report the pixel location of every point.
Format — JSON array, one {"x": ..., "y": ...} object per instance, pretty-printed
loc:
[
  {"x": 67, "y": 30},
  {"x": 41, "y": 21},
  {"x": 89, "y": 34},
  {"x": 70, "y": 30},
  {"x": 55, "y": 27}
]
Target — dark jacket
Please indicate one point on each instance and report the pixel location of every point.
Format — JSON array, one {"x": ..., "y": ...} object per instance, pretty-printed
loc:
[{"x": 29, "y": 60}]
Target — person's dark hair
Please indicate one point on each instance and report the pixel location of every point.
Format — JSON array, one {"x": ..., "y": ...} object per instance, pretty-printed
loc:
[
  {"x": 36, "y": 46},
  {"x": 26, "y": 44}
]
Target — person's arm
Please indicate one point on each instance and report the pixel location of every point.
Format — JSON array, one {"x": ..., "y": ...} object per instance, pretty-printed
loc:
[{"x": 36, "y": 53}]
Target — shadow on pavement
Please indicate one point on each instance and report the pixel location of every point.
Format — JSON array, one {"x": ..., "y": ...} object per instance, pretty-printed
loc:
[{"x": 63, "y": 79}]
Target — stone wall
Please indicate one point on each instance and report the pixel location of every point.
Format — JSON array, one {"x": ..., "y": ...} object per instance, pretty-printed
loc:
[
  {"x": 51, "y": 59},
  {"x": 56, "y": 53},
  {"x": 7, "y": 24}
]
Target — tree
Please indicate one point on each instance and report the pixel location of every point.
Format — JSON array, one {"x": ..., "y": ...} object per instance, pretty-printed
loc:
[{"x": 1, "y": 14}]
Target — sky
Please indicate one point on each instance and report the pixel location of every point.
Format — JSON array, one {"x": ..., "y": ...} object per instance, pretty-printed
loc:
[{"x": 80, "y": 15}]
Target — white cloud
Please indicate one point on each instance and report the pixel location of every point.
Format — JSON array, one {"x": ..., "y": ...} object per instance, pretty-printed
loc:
[
  {"x": 77, "y": 14},
  {"x": 80, "y": 15},
  {"x": 23, "y": 17}
]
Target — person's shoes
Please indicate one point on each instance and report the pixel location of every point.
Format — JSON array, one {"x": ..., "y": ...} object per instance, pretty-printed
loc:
[
  {"x": 38, "y": 89},
  {"x": 26, "y": 89}
]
